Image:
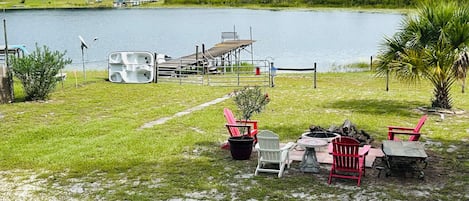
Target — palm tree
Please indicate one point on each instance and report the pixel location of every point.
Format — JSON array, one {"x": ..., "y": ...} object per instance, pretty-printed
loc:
[{"x": 431, "y": 44}]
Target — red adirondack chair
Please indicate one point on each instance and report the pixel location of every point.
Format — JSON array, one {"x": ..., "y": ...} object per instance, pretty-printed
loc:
[
  {"x": 413, "y": 132},
  {"x": 234, "y": 126},
  {"x": 348, "y": 161}
]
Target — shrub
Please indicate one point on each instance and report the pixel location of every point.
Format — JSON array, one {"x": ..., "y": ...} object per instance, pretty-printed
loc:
[
  {"x": 37, "y": 71},
  {"x": 250, "y": 100}
]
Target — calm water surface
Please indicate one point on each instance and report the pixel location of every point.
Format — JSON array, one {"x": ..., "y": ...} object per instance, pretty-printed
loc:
[{"x": 291, "y": 39}]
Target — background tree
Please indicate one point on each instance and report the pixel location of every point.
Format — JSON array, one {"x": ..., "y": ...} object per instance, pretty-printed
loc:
[
  {"x": 430, "y": 45},
  {"x": 37, "y": 71}
]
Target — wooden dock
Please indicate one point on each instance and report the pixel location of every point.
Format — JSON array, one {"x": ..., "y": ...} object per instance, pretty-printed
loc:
[{"x": 220, "y": 50}]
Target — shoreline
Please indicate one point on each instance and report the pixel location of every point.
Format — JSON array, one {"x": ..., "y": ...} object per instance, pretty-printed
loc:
[{"x": 194, "y": 6}]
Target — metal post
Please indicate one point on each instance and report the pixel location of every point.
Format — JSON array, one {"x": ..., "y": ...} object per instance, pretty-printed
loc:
[
  {"x": 371, "y": 63},
  {"x": 155, "y": 68},
  {"x": 83, "y": 61},
  {"x": 234, "y": 32},
  {"x": 196, "y": 56},
  {"x": 252, "y": 56},
  {"x": 314, "y": 82},
  {"x": 272, "y": 74}
]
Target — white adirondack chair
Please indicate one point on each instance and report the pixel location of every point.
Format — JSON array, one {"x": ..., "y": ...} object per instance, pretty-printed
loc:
[{"x": 270, "y": 152}]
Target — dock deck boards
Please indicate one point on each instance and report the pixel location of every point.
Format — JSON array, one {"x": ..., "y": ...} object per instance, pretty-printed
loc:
[{"x": 217, "y": 50}]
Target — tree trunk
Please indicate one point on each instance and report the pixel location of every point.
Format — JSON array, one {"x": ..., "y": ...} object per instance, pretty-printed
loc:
[
  {"x": 463, "y": 84},
  {"x": 442, "y": 97}
]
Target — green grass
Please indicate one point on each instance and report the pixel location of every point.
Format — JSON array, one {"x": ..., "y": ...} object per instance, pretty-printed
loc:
[{"x": 88, "y": 135}]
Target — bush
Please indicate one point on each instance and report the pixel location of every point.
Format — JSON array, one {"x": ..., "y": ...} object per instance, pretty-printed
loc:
[
  {"x": 37, "y": 71},
  {"x": 250, "y": 100}
]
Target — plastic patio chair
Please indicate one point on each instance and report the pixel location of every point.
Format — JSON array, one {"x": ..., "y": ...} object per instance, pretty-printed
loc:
[
  {"x": 413, "y": 132},
  {"x": 235, "y": 127},
  {"x": 269, "y": 152},
  {"x": 348, "y": 161}
]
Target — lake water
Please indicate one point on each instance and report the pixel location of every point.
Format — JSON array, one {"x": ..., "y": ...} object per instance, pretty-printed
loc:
[{"x": 291, "y": 39}]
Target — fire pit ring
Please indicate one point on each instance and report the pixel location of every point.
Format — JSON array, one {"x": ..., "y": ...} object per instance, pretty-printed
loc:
[{"x": 322, "y": 135}]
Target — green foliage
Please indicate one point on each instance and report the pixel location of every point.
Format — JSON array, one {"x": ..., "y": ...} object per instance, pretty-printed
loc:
[
  {"x": 37, "y": 71},
  {"x": 427, "y": 46},
  {"x": 250, "y": 100}
]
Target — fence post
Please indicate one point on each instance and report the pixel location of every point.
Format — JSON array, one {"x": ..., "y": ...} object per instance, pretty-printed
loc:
[
  {"x": 203, "y": 58},
  {"x": 314, "y": 84},
  {"x": 272, "y": 74},
  {"x": 155, "y": 62}
]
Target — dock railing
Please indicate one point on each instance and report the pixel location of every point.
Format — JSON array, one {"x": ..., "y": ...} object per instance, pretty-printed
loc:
[{"x": 220, "y": 73}]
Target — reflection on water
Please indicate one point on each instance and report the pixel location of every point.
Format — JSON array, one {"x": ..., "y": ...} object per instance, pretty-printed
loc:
[{"x": 294, "y": 39}]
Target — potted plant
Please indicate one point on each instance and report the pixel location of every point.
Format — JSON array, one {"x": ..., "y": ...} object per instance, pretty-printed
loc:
[{"x": 249, "y": 100}]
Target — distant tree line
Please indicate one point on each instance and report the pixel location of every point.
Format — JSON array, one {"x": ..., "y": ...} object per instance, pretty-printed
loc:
[
  {"x": 308, "y": 3},
  {"x": 295, "y": 3}
]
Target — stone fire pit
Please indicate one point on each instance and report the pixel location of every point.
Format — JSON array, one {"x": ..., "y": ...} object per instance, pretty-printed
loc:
[
  {"x": 346, "y": 129},
  {"x": 323, "y": 135}
]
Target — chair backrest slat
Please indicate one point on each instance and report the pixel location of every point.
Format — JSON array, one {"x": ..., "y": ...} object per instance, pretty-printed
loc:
[
  {"x": 345, "y": 152},
  {"x": 420, "y": 124},
  {"x": 269, "y": 145},
  {"x": 417, "y": 128},
  {"x": 230, "y": 119}
]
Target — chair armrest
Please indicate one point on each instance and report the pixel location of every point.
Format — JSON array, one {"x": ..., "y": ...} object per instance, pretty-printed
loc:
[
  {"x": 364, "y": 150},
  {"x": 399, "y": 128},
  {"x": 391, "y": 134},
  {"x": 229, "y": 126},
  {"x": 405, "y": 133},
  {"x": 289, "y": 145},
  {"x": 238, "y": 126},
  {"x": 252, "y": 122}
]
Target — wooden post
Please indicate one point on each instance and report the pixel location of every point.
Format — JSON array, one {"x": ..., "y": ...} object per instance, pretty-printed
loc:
[
  {"x": 314, "y": 84},
  {"x": 203, "y": 59},
  {"x": 7, "y": 91}
]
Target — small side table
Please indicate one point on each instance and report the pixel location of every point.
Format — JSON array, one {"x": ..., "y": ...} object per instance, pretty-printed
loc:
[
  {"x": 310, "y": 163},
  {"x": 404, "y": 156}
]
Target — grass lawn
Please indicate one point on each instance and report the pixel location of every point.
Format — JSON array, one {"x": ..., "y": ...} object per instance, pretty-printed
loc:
[{"x": 84, "y": 143}]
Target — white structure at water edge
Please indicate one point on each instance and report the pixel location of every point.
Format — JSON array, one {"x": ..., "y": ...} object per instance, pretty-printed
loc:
[{"x": 131, "y": 67}]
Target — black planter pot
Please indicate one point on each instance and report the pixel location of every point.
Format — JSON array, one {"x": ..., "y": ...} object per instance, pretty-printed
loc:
[{"x": 241, "y": 147}]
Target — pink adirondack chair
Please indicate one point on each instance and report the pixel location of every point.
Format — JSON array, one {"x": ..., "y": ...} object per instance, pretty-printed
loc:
[
  {"x": 233, "y": 126},
  {"x": 413, "y": 132},
  {"x": 348, "y": 161}
]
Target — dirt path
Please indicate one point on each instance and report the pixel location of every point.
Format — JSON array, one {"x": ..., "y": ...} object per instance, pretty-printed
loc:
[{"x": 188, "y": 111}]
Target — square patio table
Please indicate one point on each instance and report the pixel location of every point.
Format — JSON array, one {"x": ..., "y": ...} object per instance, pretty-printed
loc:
[{"x": 404, "y": 156}]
